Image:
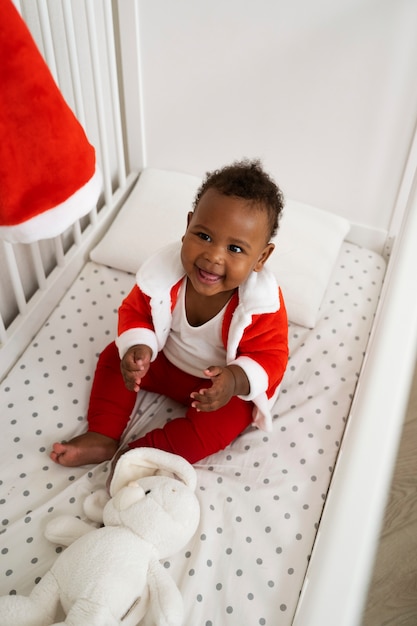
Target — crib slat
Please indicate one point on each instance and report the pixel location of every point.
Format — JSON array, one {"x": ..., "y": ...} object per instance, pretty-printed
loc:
[
  {"x": 75, "y": 74},
  {"x": 3, "y": 332},
  {"x": 47, "y": 38},
  {"x": 73, "y": 60},
  {"x": 93, "y": 216},
  {"x": 98, "y": 89},
  {"x": 59, "y": 252},
  {"x": 76, "y": 229},
  {"x": 38, "y": 265},
  {"x": 114, "y": 90},
  {"x": 15, "y": 276}
]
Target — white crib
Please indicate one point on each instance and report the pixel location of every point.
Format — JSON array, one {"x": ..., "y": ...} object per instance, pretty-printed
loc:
[{"x": 325, "y": 95}]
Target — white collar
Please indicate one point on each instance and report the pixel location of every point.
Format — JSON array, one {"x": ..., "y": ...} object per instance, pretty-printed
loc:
[{"x": 160, "y": 272}]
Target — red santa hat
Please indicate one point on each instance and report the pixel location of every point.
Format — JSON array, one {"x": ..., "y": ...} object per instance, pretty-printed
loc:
[{"x": 48, "y": 173}]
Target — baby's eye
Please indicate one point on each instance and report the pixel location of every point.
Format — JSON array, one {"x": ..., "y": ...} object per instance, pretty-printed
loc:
[
  {"x": 234, "y": 248},
  {"x": 204, "y": 236},
  {"x": 147, "y": 492}
]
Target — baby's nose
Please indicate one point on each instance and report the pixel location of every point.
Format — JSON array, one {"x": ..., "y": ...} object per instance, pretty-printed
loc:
[{"x": 215, "y": 254}]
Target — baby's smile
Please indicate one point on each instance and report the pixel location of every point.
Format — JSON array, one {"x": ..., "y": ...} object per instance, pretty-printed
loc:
[{"x": 208, "y": 277}]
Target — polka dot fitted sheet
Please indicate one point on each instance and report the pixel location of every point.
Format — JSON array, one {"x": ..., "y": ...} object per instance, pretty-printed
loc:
[{"x": 261, "y": 498}]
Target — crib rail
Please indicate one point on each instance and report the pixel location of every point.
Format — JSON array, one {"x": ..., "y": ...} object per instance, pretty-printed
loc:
[
  {"x": 78, "y": 40},
  {"x": 341, "y": 563}
]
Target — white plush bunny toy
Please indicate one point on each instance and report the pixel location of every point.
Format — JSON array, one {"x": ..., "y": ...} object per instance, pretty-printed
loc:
[{"x": 112, "y": 576}]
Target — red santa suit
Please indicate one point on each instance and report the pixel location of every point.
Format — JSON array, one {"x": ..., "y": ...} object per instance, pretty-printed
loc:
[{"x": 254, "y": 332}]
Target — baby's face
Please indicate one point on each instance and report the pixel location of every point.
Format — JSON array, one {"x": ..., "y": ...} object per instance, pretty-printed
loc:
[{"x": 225, "y": 240}]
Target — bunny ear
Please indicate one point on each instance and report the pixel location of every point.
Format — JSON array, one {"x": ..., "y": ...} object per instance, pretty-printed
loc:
[{"x": 140, "y": 462}]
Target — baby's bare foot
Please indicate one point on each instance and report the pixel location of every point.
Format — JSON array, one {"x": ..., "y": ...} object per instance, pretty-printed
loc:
[{"x": 84, "y": 449}]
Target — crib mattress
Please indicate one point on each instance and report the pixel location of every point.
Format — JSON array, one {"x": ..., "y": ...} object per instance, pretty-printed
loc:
[{"x": 261, "y": 498}]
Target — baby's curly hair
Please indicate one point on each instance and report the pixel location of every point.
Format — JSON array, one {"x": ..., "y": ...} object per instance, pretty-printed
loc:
[{"x": 246, "y": 179}]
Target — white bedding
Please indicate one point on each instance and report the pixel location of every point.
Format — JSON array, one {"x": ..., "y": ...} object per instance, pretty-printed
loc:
[{"x": 261, "y": 498}]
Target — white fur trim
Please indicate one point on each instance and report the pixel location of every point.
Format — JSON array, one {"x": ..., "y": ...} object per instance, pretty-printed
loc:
[
  {"x": 56, "y": 220},
  {"x": 136, "y": 337},
  {"x": 262, "y": 417},
  {"x": 258, "y": 295},
  {"x": 161, "y": 271},
  {"x": 257, "y": 376}
]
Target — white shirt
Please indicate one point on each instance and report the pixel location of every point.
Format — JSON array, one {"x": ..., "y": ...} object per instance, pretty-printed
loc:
[{"x": 193, "y": 348}]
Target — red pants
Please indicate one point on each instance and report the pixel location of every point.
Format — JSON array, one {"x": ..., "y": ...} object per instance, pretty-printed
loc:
[{"x": 194, "y": 436}]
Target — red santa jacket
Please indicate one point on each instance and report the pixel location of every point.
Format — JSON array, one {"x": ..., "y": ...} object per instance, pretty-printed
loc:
[{"x": 254, "y": 328}]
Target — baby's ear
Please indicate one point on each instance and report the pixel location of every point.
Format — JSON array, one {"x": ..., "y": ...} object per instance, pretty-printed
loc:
[
  {"x": 264, "y": 256},
  {"x": 189, "y": 218}
]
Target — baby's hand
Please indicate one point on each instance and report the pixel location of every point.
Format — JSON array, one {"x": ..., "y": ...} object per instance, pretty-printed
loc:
[
  {"x": 225, "y": 385},
  {"x": 134, "y": 366}
]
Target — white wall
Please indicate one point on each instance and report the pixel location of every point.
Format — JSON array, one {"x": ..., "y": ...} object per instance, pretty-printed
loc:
[{"x": 324, "y": 92}]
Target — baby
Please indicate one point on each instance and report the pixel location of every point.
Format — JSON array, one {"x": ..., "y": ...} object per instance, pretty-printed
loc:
[{"x": 205, "y": 325}]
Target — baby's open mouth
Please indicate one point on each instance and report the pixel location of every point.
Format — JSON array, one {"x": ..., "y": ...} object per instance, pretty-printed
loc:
[{"x": 208, "y": 277}]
